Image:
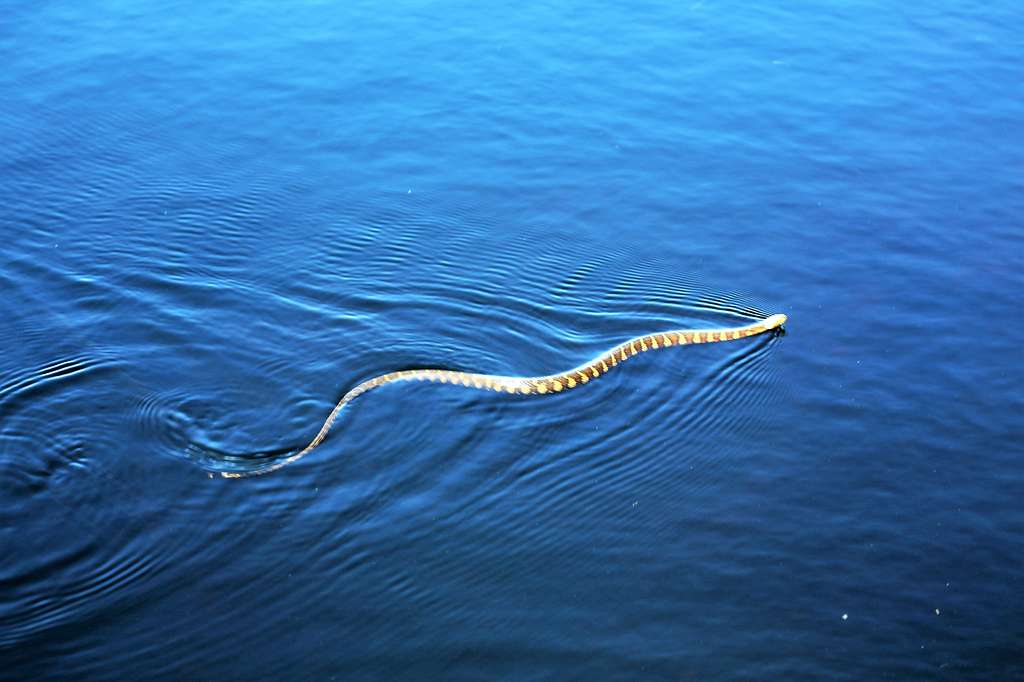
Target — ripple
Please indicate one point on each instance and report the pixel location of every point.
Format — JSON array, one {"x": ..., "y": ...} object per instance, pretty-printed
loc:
[
  {"x": 235, "y": 340},
  {"x": 195, "y": 425},
  {"x": 491, "y": 326},
  {"x": 22, "y": 386},
  {"x": 229, "y": 362}
]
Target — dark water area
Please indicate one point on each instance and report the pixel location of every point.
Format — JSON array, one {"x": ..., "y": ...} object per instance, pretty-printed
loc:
[{"x": 216, "y": 219}]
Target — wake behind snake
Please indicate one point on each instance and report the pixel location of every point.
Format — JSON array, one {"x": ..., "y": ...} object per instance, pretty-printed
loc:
[{"x": 553, "y": 383}]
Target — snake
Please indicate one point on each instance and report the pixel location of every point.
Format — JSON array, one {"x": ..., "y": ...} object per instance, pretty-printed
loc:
[{"x": 540, "y": 385}]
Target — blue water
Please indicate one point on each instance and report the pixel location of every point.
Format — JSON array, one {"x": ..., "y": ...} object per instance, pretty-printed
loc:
[{"x": 218, "y": 217}]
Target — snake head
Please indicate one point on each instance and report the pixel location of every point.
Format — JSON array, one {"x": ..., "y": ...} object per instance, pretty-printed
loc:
[{"x": 774, "y": 321}]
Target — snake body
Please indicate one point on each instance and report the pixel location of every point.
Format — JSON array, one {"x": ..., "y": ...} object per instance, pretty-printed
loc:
[{"x": 553, "y": 383}]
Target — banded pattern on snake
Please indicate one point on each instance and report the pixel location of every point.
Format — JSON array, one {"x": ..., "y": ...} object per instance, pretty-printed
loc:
[{"x": 553, "y": 383}]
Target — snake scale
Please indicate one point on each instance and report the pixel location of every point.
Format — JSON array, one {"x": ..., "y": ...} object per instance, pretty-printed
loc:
[{"x": 554, "y": 383}]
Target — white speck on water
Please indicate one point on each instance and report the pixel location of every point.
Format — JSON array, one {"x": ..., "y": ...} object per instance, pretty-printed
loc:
[
  {"x": 845, "y": 616},
  {"x": 936, "y": 612}
]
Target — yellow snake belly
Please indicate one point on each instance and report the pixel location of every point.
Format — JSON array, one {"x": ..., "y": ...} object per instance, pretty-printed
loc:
[{"x": 553, "y": 383}]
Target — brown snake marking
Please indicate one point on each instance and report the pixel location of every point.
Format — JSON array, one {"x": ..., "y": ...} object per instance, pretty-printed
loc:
[{"x": 553, "y": 383}]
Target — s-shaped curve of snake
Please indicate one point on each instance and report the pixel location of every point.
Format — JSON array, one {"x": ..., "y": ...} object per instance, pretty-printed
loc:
[{"x": 553, "y": 383}]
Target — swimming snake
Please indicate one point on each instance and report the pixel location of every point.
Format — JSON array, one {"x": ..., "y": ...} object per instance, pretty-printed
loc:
[{"x": 553, "y": 383}]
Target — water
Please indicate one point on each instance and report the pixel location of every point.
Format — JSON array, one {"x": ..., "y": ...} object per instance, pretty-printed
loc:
[{"x": 217, "y": 219}]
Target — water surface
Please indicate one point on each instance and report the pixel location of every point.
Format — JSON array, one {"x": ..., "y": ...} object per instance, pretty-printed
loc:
[{"x": 217, "y": 219}]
